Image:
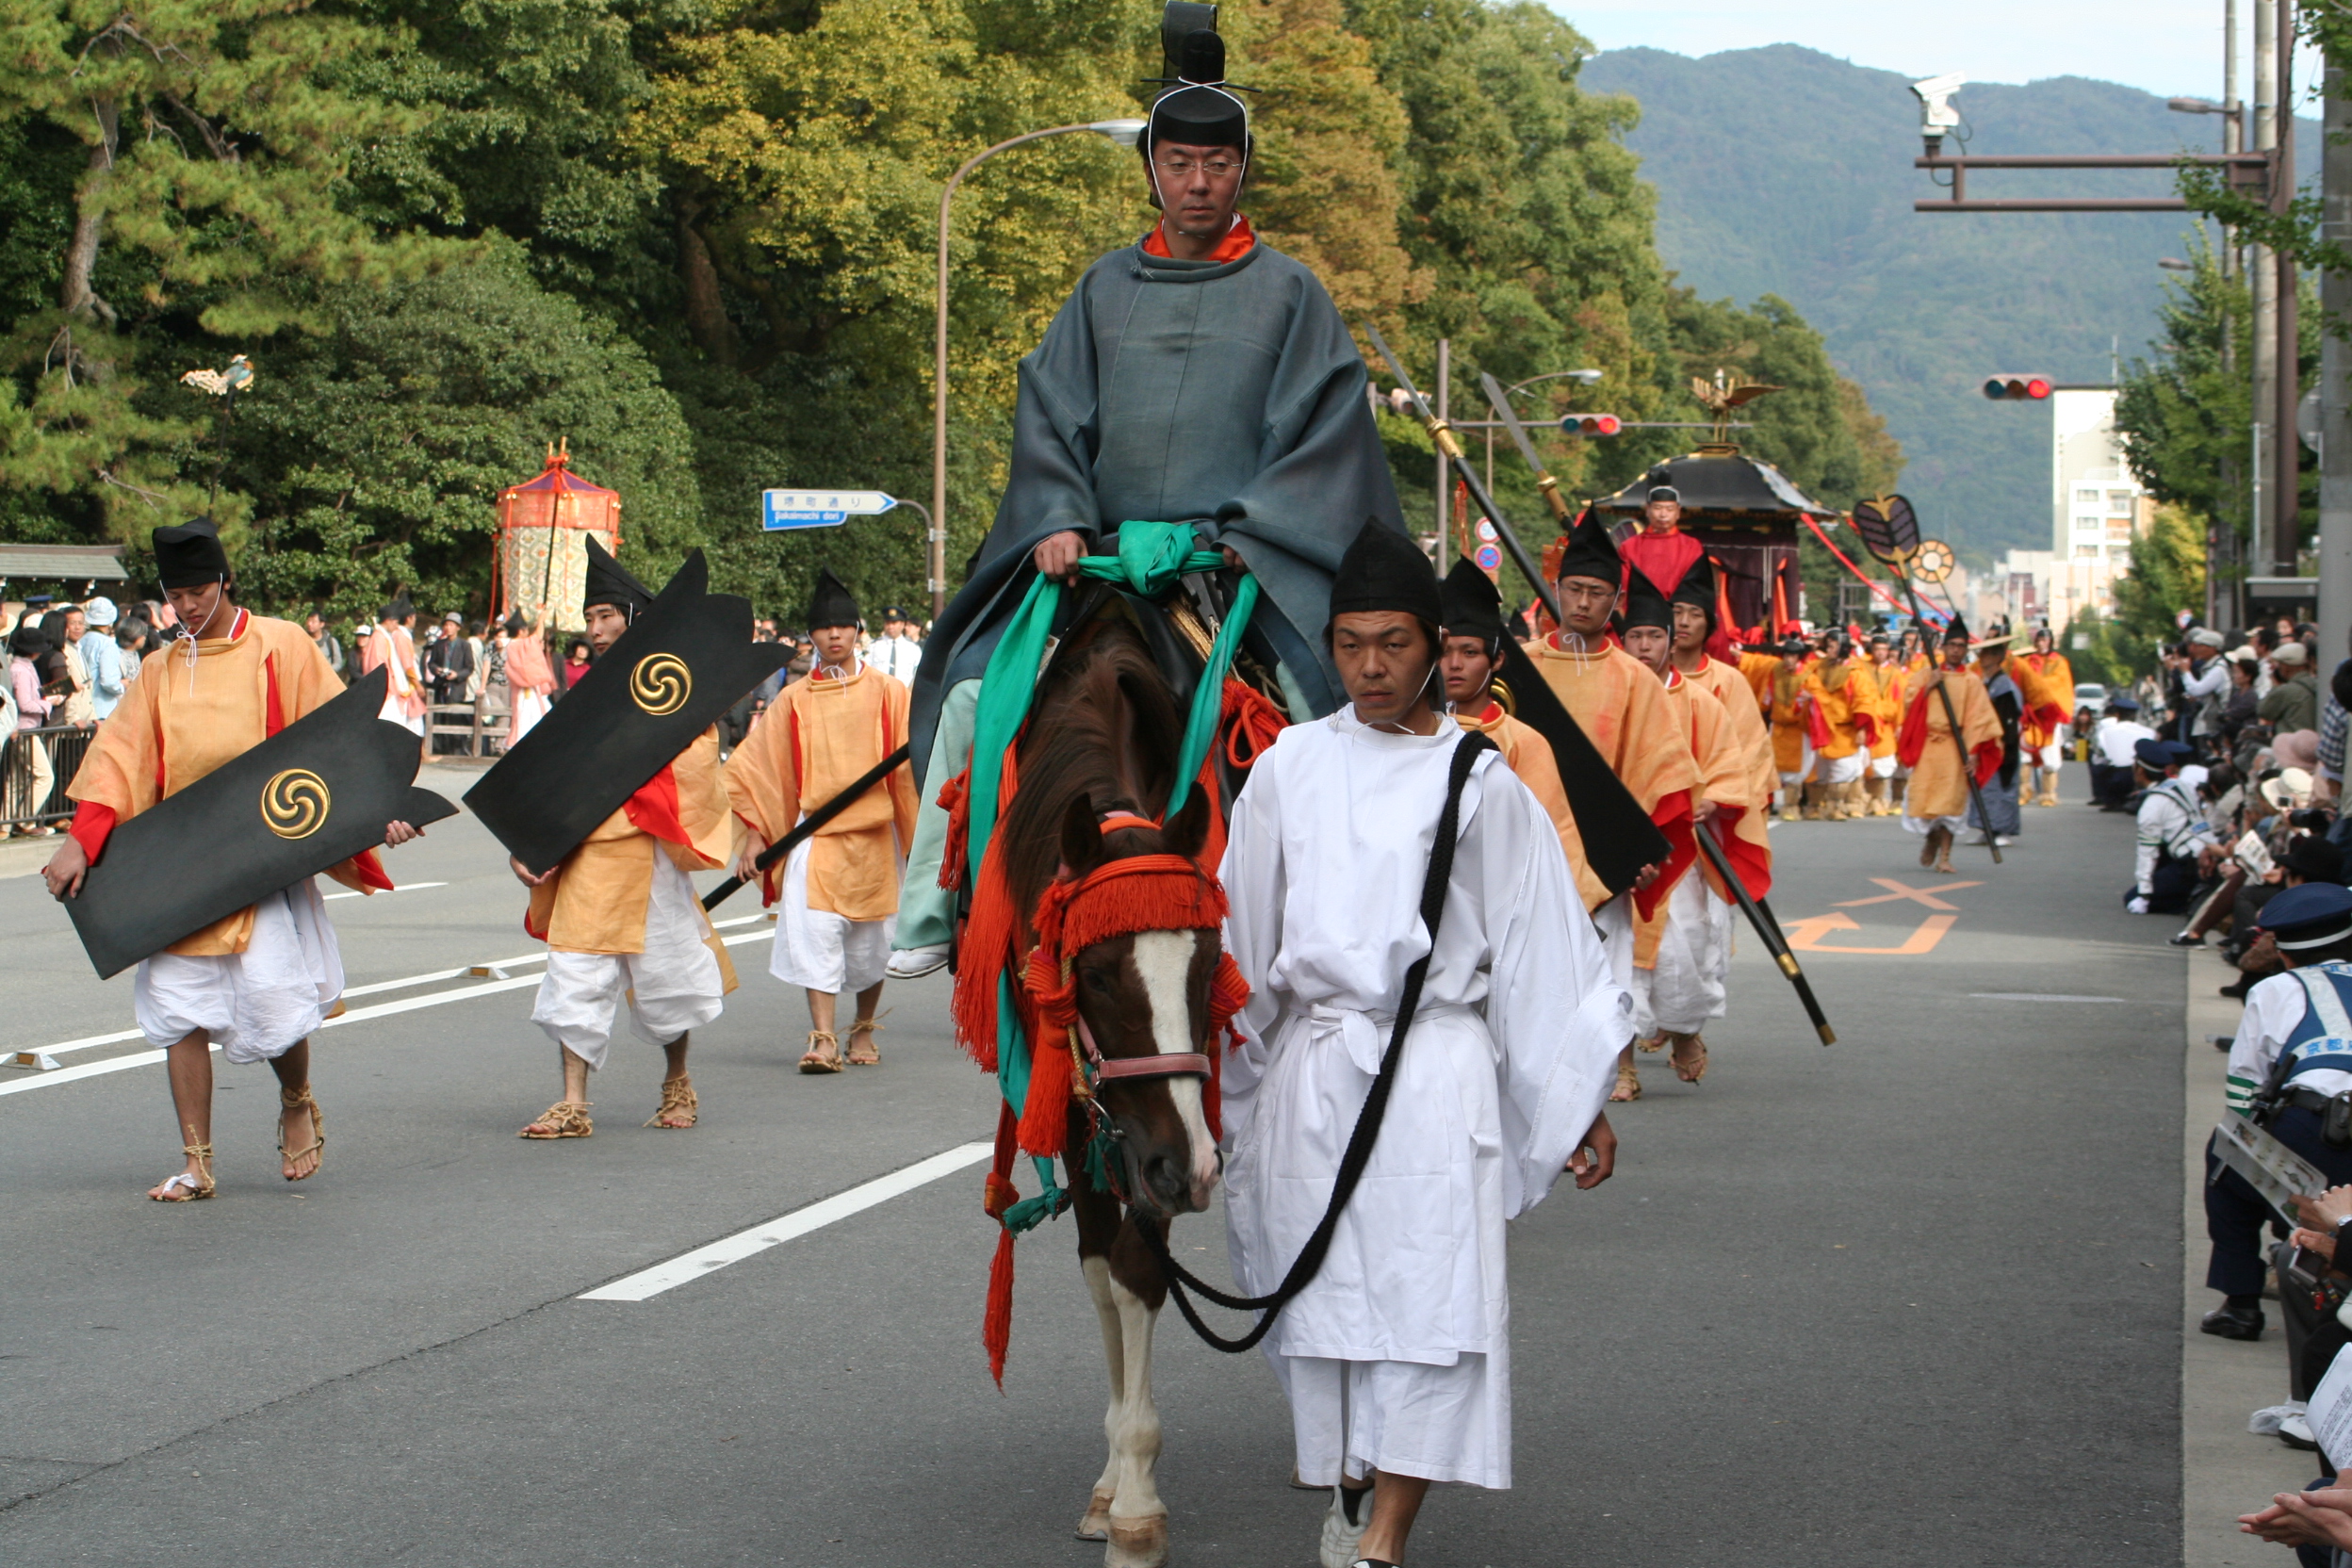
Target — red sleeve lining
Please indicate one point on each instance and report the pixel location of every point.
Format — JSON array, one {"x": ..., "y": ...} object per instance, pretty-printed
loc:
[{"x": 93, "y": 825}]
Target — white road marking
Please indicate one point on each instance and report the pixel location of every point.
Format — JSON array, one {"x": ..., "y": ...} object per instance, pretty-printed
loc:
[
  {"x": 374, "y": 987},
  {"x": 2037, "y": 996},
  {"x": 647, "y": 1284},
  {"x": 403, "y": 887}
]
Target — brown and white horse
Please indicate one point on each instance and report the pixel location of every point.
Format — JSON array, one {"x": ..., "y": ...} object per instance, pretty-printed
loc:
[{"x": 1096, "y": 766}]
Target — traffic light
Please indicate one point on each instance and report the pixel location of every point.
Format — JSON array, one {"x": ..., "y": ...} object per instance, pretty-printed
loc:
[
  {"x": 2017, "y": 388},
  {"x": 1592, "y": 424}
]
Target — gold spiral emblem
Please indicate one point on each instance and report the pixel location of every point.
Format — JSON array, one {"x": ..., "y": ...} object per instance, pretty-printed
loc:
[
  {"x": 661, "y": 684},
  {"x": 294, "y": 804}
]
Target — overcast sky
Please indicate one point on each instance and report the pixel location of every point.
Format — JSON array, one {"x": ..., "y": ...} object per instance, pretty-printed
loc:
[{"x": 2165, "y": 46}]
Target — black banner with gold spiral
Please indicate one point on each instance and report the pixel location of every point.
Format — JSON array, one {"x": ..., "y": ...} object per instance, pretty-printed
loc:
[
  {"x": 686, "y": 659},
  {"x": 316, "y": 794}
]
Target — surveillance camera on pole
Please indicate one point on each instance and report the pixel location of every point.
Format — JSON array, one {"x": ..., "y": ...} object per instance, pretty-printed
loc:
[{"x": 1937, "y": 114}]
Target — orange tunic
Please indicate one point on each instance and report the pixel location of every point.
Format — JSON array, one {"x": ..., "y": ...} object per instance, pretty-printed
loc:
[
  {"x": 814, "y": 740},
  {"x": 1892, "y": 679},
  {"x": 2047, "y": 682},
  {"x": 1796, "y": 703},
  {"x": 1728, "y": 781},
  {"x": 175, "y": 725},
  {"x": 1526, "y": 753},
  {"x": 1849, "y": 700},
  {"x": 1622, "y": 707},
  {"x": 1938, "y": 788},
  {"x": 595, "y": 901},
  {"x": 1730, "y": 687}
]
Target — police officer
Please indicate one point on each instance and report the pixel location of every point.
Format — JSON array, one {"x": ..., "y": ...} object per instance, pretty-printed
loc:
[
  {"x": 2173, "y": 829},
  {"x": 2290, "y": 1069}
]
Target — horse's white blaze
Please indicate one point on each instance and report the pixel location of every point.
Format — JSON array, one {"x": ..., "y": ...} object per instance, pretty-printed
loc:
[{"x": 1163, "y": 962}]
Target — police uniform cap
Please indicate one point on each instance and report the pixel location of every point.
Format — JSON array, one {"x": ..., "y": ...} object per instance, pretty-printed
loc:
[
  {"x": 2155, "y": 755},
  {"x": 2316, "y": 914}
]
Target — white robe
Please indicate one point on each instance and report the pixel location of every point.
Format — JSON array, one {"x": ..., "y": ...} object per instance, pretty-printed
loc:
[{"x": 1511, "y": 1056}]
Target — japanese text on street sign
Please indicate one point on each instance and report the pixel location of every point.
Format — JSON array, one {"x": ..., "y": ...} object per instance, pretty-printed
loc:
[{"x": 782, "y": 509}]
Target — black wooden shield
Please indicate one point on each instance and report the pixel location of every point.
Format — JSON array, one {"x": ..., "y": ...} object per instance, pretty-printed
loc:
[
  {"x": 688, "y": 659},
  {"x": 319, "y": 792},
  {"x": 1619, "y": 836}
]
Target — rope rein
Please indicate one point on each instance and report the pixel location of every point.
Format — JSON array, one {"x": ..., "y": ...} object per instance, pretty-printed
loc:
[{"x": 1367, "y": 1129}]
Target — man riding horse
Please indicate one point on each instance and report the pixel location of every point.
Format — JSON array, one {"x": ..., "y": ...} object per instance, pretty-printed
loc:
[{"x": 1198, "y": 377}]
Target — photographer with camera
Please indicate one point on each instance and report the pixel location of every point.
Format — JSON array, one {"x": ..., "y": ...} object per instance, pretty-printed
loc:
[{"x": 2195, "y": 680}]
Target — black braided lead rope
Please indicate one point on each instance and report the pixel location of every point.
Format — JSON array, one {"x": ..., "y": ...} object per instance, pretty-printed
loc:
[{"x": 1367, "y": 1129}]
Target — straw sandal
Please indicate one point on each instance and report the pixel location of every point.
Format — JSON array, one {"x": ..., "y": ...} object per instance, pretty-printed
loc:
[
  {"x": 184, "y": 1189},
  {"x": 1629, "y": 1086},
  {"x": 867, "y": 1054},
  {"x": 823, "y": 1054},
  {"x": 677, "y": 1097},
  {"x": 565, "y": 1119},
  {"x": 299, "y": 1099},
  {"x": 1688, "y": 1059},
  {"x": 1653, "y": 1042}
]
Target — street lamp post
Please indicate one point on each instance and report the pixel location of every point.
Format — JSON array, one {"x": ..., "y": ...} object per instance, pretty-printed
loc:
[{"x": 1124, "y": 133}]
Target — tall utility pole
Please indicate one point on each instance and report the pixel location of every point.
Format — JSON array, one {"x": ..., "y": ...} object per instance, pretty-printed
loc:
[
  {"x": 2287, "y": 363},
  {"x": 2263, "y": 276},
  {"x": 2221, "y": 536},
  {"x": 1445, "y": 475},
  {"x": 2335, "y": 383}
]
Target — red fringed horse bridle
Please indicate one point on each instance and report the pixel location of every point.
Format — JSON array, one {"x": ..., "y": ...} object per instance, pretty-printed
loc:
[{"x": 1143, "y": 892}]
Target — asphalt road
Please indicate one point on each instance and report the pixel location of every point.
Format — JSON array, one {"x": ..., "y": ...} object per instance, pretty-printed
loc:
[{"x": 1912, "y": 1297}]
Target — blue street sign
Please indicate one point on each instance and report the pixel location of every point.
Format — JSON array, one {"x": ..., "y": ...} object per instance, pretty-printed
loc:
[{"x": 785, "y": 509}]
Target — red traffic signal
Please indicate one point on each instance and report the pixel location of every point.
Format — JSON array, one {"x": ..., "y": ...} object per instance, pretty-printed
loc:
[
  {"x": 2017, "y": 388},
  {"x": 1592, "y": 424}
]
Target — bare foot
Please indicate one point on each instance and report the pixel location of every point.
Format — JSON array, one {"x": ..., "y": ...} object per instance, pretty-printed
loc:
[{"x": 301, "y": 1147}]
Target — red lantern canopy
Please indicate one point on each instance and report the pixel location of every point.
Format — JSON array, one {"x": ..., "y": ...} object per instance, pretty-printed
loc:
[{"x": 541, "y": 567}]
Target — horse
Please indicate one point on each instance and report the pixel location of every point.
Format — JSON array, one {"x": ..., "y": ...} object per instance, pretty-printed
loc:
[{"x": 1095, "y": 767}]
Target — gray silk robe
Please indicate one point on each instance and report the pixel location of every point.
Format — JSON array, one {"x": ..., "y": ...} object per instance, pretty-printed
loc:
[{"x": 1228, "y": 395}]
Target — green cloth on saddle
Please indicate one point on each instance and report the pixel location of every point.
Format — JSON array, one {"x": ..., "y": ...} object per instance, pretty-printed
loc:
[{"x": 1153, "y": 558}]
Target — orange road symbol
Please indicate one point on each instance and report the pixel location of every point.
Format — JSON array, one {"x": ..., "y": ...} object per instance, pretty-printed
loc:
[
  {"x": 1804, "y": 936},
  {"x": 1896, "y": 893}
]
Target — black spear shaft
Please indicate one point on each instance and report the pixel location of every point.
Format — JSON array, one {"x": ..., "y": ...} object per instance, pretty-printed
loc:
[{"x": 810, "y": 822}]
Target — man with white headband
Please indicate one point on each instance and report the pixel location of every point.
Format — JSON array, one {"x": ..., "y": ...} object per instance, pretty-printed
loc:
[{"x": 1198, "y": 377}]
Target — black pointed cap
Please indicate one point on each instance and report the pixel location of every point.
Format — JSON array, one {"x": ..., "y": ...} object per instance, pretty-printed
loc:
[
  {"x": 398, "y": 610},
  {"x": 1957, "y": 631},
  {"x": 1199, "y": 111},
  {"x": 1697, "y": 587},
  {"x": 830, "y": 603},
  {"x": 1385, "y": 571},
  {"x": 188, "y": 555},
  {"x": 1644, "y": 604},
  {"x": 1473, "y": 607},
  {"x": 1592, "y": 552},
  {"x": 610, "y": 582}
]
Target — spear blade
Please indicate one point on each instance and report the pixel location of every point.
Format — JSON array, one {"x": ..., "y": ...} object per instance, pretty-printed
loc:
[{"x": 1543, "y": 479}]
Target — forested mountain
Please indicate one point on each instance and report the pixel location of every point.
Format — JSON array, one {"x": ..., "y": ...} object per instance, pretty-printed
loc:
[
  {"x": 696, "y": 239},
  {"x": 1784, "y": 171}
]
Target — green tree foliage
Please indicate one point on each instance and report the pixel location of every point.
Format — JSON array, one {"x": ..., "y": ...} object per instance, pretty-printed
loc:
[
  {"x": 2166, "y": 576},
  {"x": 213, "y": 153},
  {"x": 376, "y": 450},
  {"x": 696, "y": 237},
  {"x": 2183, "y": 415}
]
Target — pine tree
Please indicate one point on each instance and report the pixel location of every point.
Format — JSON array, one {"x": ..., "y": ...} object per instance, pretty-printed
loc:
[{"x": 213, "y": 155}]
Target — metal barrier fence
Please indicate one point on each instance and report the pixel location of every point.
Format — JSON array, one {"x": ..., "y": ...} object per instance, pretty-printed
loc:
[{"x": 36, "y": 766}]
